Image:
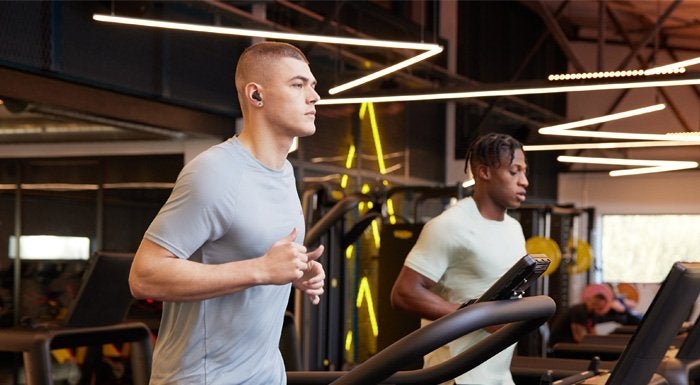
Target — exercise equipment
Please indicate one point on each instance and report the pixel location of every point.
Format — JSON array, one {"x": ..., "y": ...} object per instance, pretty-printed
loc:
[
  {"x": 505, "y": 292},
  {"x": 546, "y": 246},
  {"x": 89, "y": 323},
  {"x": 650, "y": 343},
  {"x": 521, "y": 315},
  {"x": 684, "y": 367}
]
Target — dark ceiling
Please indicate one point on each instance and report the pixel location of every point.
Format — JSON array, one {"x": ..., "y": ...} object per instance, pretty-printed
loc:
[{"x": 161, "y": 105}]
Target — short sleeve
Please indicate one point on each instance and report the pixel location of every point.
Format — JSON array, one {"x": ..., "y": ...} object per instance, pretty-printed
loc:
[{"x": 430, "y": 255}]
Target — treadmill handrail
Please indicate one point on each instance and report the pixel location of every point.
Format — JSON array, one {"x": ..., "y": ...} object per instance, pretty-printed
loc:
[
  {"x": 522, "y": 315},
  {"x": 333, "y": 215}
]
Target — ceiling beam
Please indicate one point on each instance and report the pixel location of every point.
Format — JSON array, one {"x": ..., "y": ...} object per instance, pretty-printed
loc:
[{"x": 98, "y": 104}]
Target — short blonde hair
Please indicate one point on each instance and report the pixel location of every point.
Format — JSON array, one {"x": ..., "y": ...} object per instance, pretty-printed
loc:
[{"x": 253, "y": 62}]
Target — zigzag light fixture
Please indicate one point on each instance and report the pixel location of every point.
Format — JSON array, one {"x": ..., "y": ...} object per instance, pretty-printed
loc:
[
  {"x": 565, "y": 129},
  {"x": 607, "y": 145},
  {"x": 429, "y": 49},
  {"x": 646, "y": 166},
  {"x": 654, "y": 140}
]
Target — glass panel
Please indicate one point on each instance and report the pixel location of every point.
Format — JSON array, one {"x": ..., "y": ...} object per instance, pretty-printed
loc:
[{"x": 642, "y": 248}]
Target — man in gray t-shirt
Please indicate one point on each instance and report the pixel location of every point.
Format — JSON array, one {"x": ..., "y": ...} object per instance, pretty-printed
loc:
[{"x": 225, "y": 249}]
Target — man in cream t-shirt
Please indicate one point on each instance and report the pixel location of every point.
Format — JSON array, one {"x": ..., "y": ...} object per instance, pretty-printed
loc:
[{"x": 464, "y": 250}]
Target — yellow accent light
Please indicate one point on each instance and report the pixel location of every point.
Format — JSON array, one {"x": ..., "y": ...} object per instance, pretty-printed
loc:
[
  {"x": 348, "y": 165},
  {"x": 349, "y": 252},
  {"x": 365, "y": 293},
  {"x": 390, "y": 211},
  {"x": 375, "y": 234},
  {"x": 351, "y": 156},
  {"x": 646, "y": 166},
  {"x": 348, "y": 341},
  {"x": 430, "y": 49},
  {"x": 369, "y": 107}
]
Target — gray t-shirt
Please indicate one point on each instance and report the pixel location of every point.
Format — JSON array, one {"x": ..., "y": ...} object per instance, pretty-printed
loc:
[{"x": 226, "y": 206}]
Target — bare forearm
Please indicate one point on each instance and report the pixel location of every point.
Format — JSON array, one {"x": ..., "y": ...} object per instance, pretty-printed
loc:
[
  {"x": 158, "y": 274},
  {"x": 184, "y": 280},
  {"x": 411, "y": 293},
  {"x": 427, "y": 305}
]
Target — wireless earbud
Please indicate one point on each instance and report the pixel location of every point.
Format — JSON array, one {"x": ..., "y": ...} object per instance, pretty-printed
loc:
[{"x": 256, "y": 96}]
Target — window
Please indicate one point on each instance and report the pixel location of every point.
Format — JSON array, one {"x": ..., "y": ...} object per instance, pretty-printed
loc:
[
  {"x": 642, "y": 248},
  {"x": 50, "y": 247}
]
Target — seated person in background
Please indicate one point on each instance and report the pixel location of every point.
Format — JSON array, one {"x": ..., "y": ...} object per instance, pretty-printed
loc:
[
  {"x": 598, "y": 306},
  {"x": 621, "y": 311}
]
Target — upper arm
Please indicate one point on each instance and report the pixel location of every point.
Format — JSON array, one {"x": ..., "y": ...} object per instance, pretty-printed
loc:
[
  {"x": 149, "y": 258},
  {"x": 408, "y": 286}
]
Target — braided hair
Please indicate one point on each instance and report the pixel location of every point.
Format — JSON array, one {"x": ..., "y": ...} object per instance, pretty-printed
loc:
[{"x": 489, "y": 149}]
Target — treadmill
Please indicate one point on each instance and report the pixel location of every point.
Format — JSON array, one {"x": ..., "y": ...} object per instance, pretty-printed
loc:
[
  {"x": 650, "y": 343},
  {"x": 502, "y": 303}
]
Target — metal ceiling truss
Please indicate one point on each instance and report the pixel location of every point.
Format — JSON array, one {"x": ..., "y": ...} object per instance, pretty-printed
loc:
[{"x": 534, "y": 116}]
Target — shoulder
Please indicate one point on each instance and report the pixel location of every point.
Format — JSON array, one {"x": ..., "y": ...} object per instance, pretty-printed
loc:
[{"x": 211, "y": 172}]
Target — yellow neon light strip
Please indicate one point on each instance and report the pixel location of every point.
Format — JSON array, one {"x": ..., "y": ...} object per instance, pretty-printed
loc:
[
  {"x": 348, "y": 165},
  {"x": 348, "y": 341},
  {"x": 430, "y": 49},
  {"x": 647, "y": 166},
  {"x": 377, "y": 140},
  {"x": 390, "y": 211},
  {"x": 349, "y": 251},
  {"x": 351, "y": 156},
  {"x": 365, "y": 293},
  {"x": 375, "y": 234}
]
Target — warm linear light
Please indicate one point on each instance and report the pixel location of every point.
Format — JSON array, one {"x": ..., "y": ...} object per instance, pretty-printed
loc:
[
  {"x": 626, "y": 135},
  {"x": 614, "y": 74},
  {"x": 430, "y": 49},
  {"x": 603, "y": 119},
  {"x": 468, "y": 182},
  {"x": 385, "y": 71},
  {"x": 565, "y": 128},
  {"x": 673, "y": 66},
  {"x": 646, "y": 166},
  {"x": 607, "y": 145},
  {"x": 509, "y": 92}
]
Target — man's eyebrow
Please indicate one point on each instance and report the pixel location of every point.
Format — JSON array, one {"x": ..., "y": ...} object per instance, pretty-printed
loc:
[{"x": 303, "y": 78}]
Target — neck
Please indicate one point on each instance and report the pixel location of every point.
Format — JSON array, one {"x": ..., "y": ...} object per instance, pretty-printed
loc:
[
  {"x": 270, "y": 150},
  {"x": 487, "y": 207}
]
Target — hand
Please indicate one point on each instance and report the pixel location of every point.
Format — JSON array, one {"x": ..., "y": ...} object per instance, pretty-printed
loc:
[
  {"x": 311, "y": 283},
  {"x": 286, "y": 261}
]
